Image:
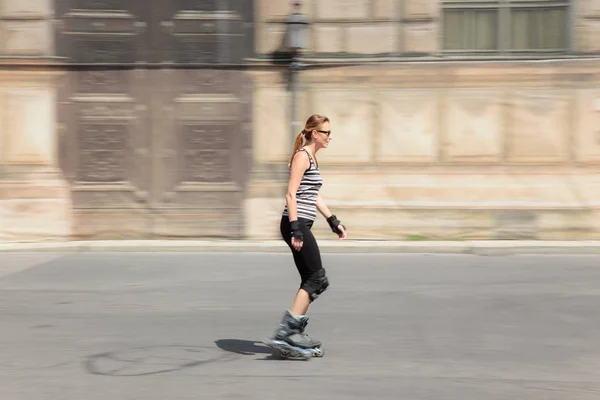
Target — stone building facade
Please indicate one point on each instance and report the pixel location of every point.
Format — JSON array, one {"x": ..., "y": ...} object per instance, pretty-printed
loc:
[{"x": 451, "y": 120}]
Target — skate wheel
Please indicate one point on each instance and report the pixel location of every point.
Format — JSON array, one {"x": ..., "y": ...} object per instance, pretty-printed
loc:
[
  {"x": 318, "y": 352},
  {"x": 287, "y": 351},
  {"x": 285, "y": 354}
]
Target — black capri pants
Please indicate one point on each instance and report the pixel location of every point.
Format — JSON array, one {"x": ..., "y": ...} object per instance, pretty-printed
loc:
[{"x": 308, "y": 259}]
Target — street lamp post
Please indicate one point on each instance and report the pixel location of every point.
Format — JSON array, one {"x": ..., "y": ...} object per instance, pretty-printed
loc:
[{"x": 297, "y": 31}]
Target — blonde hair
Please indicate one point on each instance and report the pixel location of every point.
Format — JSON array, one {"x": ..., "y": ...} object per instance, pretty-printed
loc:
[{"x": 313, "y": 122}]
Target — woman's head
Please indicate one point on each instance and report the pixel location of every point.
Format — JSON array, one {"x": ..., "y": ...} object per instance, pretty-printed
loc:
[{"x": 317, "y": 130}]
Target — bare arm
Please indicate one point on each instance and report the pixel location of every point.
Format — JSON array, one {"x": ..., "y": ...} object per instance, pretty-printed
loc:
[{"x": 300, "y": 164}]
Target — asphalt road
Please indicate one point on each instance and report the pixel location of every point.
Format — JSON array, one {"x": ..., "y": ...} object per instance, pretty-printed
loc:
[{"x": 188, "y": 326}]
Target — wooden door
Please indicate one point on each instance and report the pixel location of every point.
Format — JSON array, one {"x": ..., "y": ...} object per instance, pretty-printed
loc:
[{"x": 155, "y": 132}]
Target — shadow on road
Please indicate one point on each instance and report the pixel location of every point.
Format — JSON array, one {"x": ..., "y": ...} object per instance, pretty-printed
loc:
[
  {"x": 152, "y": 360},
  {"x": 247, "y": 348}
]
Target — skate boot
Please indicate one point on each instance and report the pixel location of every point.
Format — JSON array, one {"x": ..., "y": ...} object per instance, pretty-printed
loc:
[
  {"x": 292, "y": 341},
  {"x": 315, "y": 345}
]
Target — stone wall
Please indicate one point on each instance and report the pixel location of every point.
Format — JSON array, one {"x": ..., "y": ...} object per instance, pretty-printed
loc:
[
  {"x": 509, "y": 150},
  {"x": 587, "y": 26},
  {"x": 34, "y": 198},
  {"x": 432, "y": 148},
  {"x": 126, "y": 124},
  {"x": 356, "y": 26},
  {"x": 118, "y": 121},
  {"x": 392, "y": 27},
  {"x": 26, "y": 28}
]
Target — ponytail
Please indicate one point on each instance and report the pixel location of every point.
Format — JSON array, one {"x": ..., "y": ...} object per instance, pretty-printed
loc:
[
  {"x": 313, "y": 122},
  {"x": 297, "y": 143}
]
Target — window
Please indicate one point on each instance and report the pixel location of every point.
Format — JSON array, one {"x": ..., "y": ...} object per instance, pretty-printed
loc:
[{"x": 506, "y": 26}]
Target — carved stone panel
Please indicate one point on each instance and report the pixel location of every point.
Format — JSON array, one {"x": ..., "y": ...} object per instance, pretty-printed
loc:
[
  {"x": 29, "y": 38},
  {"x": 268, "y": 10},
  {"x": 198, "y": 5},
  {"x": 26, "y": 8},
  {"x": 374, "y": 38},
  {"x": 587, "y": 140},
  {"x": 166, "y": 149},
  {"x": 155, "y": 31},
  {"x": 271, "y": 104},
  {"x": 592, "y": 8},
  {"x": 386, "y": 9},
  {"x": 197, "y": 37},
  {"x": 29, "y": 126},
  {"x": 104, "y": 151},
  {"x": 408, "y": 126},
  {"x": 328, "y": 38},
  {"x": 420, "y": 38},
  {"x": 587, "y": 34},
  {"x": 206, "y": 153},
  {"x": 198, "y": 81},
  {"x": 352, "y": 123},
  {"x": 420, "y": 9},
  {"x": 474, "y": 126},
  {"x": 208, "y": 120},
  {"x": 107, "y": 81},
  {"x": 343, "y": 9},
  {"x": 4, "y": 135},
  {"x": 201, "y": 152},
  {"x": 99, "y": 4},
  {"x": 538, "y": 126},
  {"x": 102, "y": 31},
  {"x": 203, "y": 31}
]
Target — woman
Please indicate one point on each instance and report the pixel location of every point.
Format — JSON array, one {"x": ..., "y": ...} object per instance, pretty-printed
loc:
[{"x": 302, "y": 202}]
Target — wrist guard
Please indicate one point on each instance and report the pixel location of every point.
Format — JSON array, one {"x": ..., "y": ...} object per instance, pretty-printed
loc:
[
  {"x": 334, "y": 224},
  {"x": 296, "y": 230}
]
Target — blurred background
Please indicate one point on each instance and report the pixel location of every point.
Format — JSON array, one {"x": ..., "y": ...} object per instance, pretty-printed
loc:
[{"x": 451, "y": 120}]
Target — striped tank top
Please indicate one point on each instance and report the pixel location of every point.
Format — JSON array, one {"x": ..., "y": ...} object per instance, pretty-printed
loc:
[{"x": 306, "y": 195}]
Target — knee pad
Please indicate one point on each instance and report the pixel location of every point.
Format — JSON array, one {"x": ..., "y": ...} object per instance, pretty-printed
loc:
[{"x": 316, "y": 284}]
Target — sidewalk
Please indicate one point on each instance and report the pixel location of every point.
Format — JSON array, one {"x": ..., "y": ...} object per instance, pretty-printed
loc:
[{"x": 479, "y": 247}]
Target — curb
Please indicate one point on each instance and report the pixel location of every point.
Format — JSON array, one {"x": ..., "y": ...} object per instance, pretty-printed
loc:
[{"x": 248, "y": 246}]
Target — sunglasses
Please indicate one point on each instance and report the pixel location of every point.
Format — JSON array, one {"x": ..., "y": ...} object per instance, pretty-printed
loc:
[{"x": 325, "y": 132}]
